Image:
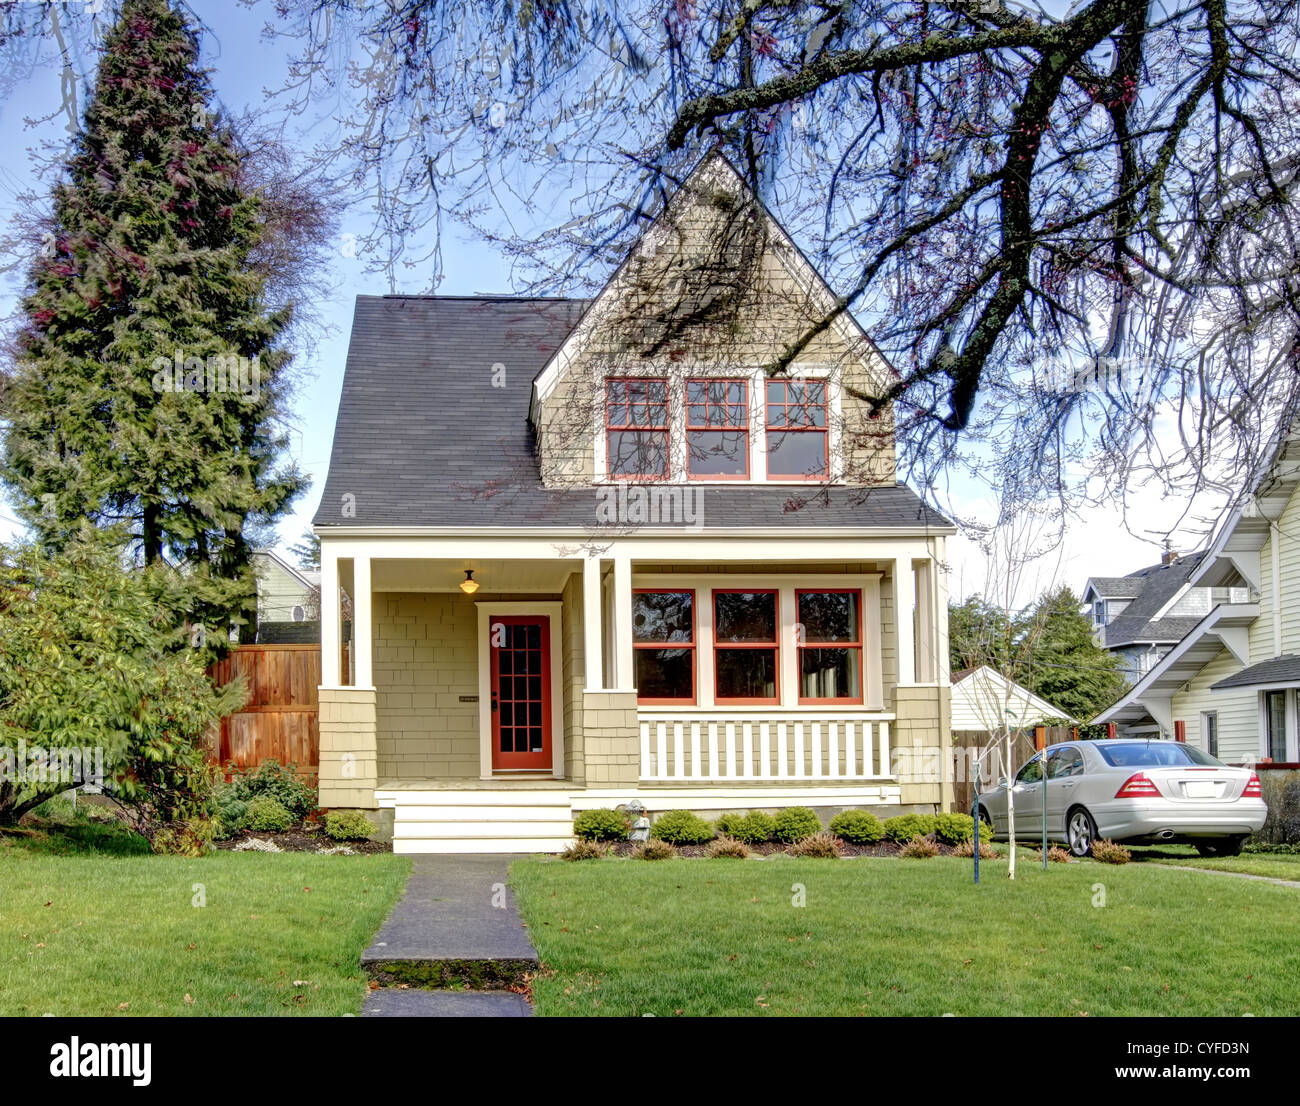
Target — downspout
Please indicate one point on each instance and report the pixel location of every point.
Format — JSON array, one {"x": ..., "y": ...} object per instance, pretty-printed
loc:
[{"x": 1275, "y": 540}]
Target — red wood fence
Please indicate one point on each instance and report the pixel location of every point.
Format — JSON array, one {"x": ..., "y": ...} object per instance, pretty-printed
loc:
[{"x": 279, "y": 721}]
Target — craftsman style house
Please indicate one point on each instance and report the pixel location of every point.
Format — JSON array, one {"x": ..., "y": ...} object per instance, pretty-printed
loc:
[
  {"x": 596, "y": 553},
  {"x": 1230, "y": 685}
]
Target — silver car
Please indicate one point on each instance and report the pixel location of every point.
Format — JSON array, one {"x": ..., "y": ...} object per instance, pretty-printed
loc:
[{"x": 1137, "y": 791}]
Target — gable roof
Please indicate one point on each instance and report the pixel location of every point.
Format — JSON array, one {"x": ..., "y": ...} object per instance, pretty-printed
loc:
[
  {"x": 1283, "y": 671},
  {"x": 431, "y": 433},
  {"x": 1113, "y": 587},
  {"x": 978, "y": 694},
  {"x": 1153, "y": 589}
]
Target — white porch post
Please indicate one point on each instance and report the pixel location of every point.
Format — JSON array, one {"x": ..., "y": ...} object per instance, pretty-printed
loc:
[
  {"x": 940, "y": 570},
  {"x": 329, "y": 617},
  {"x": 622, "y": 644},
  {"x": 593, "y": 625},
  {"x": 361, "y": 631},
  {"x": 904, "y": 608}
]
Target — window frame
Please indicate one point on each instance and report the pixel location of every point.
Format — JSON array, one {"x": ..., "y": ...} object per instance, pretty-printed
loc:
[
  {"x": 688, "y": 427},
  {"x": 693, "y": 646},
  {"x": 1210, "y": 722},
  {"x": 824, "y": 430},
  {"x": 666, "y": 429},
  {"x": 859, "y": 645},
  {"x": 774, "y": 646}
]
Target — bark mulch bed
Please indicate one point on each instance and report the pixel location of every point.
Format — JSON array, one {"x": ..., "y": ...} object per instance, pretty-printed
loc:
[
  {"x": 305, "y": 838},
  {"x": 884, "y": 848}
]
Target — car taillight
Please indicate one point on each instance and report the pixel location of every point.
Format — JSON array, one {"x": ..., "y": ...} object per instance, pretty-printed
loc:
[
  {"x": 1253, "y": 788},
  {"x": 1137, "y": 786}
]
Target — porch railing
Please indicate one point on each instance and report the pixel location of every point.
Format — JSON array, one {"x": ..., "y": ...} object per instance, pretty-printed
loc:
[{"x": 708, "y": 746}]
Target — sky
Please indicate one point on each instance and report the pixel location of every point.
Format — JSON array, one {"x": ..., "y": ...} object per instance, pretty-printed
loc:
[{"x": 244, "y": 65}]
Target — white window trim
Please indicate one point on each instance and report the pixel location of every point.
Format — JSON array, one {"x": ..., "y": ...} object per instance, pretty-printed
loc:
[
  {"x": 785, "y": 585},
  {"x": 485, "y": 612},
  {"x": 1291, "y": 726},
  {"x": 678, "y": 373}
]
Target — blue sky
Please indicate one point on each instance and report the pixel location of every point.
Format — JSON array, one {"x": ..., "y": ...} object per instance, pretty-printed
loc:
[{"x": 243, "y": 66}]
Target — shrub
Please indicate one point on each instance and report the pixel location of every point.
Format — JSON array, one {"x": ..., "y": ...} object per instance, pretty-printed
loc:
[
  {"x": 953, "y": 829},
  {"x": 728, "y": 847},
  {"x": 1109, "y": 853},
  {"x": 1055, "y": 855},
  {"x": 285, "y": 785},
  {"x": 753, "y": 828},
  {"x": 192, "y": 837},
  {"x": 654, "y": 850},
  {"x": 858, "y": 827},
  {"x": 681, "y": 827},
  {"x": 585, "y": 850},
  {"x": 795, "y": 823},
  {"x": 904, "y": 827},
  {"x": 601, "y": 825},
  {"x": 268, "y": 815},
  {"x": 348, "y": 825},
  {"x": 920, "y": 848},
  {"x": 230, "y": 812},
  {"x": 987, "y": 851},
  {"x": 822, "y": 845}
]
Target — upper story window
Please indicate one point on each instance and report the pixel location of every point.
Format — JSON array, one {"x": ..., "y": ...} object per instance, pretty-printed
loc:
[
  {"x": 798, "y": 445},
  {"x": 636, "y": 427},
  {"x": 717, "y": 429}
]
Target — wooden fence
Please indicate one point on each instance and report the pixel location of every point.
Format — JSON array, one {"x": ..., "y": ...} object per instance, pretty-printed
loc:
[
  {"x": 979, "y": 747},
  {"x": 279, "y": 720}
]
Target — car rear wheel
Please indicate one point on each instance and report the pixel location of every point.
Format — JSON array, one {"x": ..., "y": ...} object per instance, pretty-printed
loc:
[
  {"x": 1221, "y": 846},
  {"x": 983, "y": 815},
  {"x": 1080, "y": 831}
]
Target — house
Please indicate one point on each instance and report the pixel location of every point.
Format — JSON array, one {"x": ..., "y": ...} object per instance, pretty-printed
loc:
[
  {"x": 595, "y": 556},
  {"x": 984, "y": 700},
  {"x": 1143, "y": 615},
  {"x": 1229, "y": 685},
  {"x": 288, "y": 598}
]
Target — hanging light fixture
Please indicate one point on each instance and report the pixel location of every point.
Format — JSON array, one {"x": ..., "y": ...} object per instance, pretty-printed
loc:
[{"x": 469, "y": 585}]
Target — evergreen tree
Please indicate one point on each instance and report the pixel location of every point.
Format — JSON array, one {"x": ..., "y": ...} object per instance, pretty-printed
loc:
[
  {"x": 149, "y": 384},
  {"x": 1065, "y": 665},
  {"x": 979, "y": 633}
]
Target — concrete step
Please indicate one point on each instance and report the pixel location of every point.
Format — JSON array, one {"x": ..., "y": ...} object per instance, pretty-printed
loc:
[{"x": 418, "y": 846}]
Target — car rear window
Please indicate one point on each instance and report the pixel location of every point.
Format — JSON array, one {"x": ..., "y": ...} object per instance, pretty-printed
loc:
[{"x": 1153, "y": 754}]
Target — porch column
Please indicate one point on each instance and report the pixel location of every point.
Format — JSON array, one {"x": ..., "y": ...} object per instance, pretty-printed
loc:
[
  {"x": 593, "y": 625},
  {"x": 622, "y": 644},
  {"x": 904, "y": 608},
  {"x": 329, "y": 617},
  {"x": 361, "y": 632}
]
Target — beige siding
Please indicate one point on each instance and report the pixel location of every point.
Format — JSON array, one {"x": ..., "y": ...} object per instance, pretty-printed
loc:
[
  {"x": 1238, "y": 710},
  {"x": 279, "y": 591}
]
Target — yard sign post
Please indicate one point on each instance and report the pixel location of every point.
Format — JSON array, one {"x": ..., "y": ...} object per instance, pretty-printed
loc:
[
  {"x": 975, "y": 814},
  {"x": 1044, "y": 756}
]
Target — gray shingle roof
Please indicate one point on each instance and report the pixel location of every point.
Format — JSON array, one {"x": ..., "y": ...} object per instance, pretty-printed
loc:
[
  {"x": 1116, "y": 587},
  {"x": 1156, "y": 585},
  {"x": 424, "y": 438},
  {"x": 1280, "y": 670}
]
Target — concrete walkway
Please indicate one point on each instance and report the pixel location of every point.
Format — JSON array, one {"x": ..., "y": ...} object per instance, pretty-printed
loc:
[
  {"x": 456, "y": 926},
  {"x": 1220, "y": 872}
]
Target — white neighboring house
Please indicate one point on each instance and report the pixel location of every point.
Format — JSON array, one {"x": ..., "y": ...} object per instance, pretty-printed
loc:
[
  {"x": 983, "y": 698},
  {"x": 285, "y": 593},
  {"x": 1230, "y": 685}
]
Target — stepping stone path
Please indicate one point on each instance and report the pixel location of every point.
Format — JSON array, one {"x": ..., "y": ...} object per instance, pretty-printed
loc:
[{"x": 453, "y": 946}]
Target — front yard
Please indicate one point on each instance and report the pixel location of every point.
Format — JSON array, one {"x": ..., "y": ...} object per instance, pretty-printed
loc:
[
  {"x": 904, "y": 937},
  {"x": 232, "y": 933}
]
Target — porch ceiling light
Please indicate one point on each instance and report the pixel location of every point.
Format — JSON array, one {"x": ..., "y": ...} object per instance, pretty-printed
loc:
[{"x": 469, "y": 585}]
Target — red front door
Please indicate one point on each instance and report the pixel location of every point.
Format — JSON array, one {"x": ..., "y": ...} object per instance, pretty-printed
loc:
[{"x": 521, "y": 691}]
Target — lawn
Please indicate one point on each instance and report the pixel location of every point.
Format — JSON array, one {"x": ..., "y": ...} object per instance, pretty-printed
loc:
[
  {"x": 904, "y": 937},
  {"x": 90, "y": 927},
  {"x": 1274, "y": 865}
]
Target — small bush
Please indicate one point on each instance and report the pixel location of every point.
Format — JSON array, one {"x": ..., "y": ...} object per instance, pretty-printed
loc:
[
  {"x": 967, "y": 849},
  {"x": 858, "y": 827},
  {"x": 190, "y": 838},
  {"x": 920, "y": 848},
  {"x": 1055, "y": 855},
  {"x": 283, "y": 784},
  {"x": 654, "y": 850},
  {"x": 1109, "y": 853},
  {"x": 795, "y": 823},
  {"x": 728, "y": 847},
  {"x": 953, "y": 829},
  {"x": 753, "y": 828},
  {"x": 904, "y": 827},
  {"x": 681, "y": 827},
  {"x": 348, "y": 825},
  {"x": 585, "y": 850},
  {"x": 822, "y": 845},
  {"x": 601, "y": 825},
  {"x": 268, "y": 815},
  {"x": 231, "y": 812}
]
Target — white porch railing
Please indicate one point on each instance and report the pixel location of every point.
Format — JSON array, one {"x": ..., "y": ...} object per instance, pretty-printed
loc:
[{"x": 716, "y": 745}]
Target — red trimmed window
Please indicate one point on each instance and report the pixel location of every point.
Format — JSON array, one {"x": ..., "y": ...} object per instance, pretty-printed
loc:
[
  {"x": 663, "y": 645},
  {"x": 828, "y": 637},
  {"x": 636, "y": 427},
  {"x": 717, "y": 429},
  {"x": 798, "y": 445},
  {"x": 745, "y": 649}
]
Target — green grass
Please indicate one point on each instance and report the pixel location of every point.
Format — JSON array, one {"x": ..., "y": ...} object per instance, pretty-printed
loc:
[
  {"x": 88, "y": 925},
  {"x": 902, "y": 937},
  {"x": 1274, "y": 865}
]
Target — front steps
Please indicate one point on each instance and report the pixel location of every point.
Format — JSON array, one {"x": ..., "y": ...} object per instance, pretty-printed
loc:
[{"x": 471, "y": 821}]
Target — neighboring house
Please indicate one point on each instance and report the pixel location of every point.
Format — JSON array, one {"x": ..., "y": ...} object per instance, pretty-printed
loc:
[
  {"x": 648, "y": 618},
  {"x": 1229, "y": 686},
  {"x": 1143, "y": 615},
  {"x": 983, "y": 699},
  {"x": 284, "y": 593}
]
